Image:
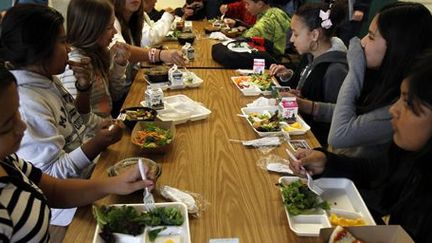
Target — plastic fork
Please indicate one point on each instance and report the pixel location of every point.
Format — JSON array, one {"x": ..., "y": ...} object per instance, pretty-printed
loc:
[
  {"x": 149, "y": 203},
  {"x": 310, "y": 182}
]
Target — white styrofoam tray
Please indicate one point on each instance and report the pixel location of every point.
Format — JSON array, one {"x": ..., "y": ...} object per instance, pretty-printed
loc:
[
  {"x": 180, "y": 109},
  {"x": 272, "y": 109},
  {"x": 253, "y": 90},
  {"x": 340, "y": 193},
  {"x": 196, "y": 82},
  {"x": 181, "y": 231}
]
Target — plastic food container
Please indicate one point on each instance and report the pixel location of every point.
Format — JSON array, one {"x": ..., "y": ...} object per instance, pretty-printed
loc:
[
  {"x": 181, "y": 232},
  {"x": 140, "y": 126},
  {"x": 155, "y": 169},
  {"x": 340, "y": 193}
]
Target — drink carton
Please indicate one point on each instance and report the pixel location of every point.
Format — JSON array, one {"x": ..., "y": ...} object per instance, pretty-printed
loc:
[{"x": 288, "y": 108}]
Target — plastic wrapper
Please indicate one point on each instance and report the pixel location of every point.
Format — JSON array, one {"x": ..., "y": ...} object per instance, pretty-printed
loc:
[
  {"x": 195, "y": 203},
  {"x": 274, "y": 163},
  {"x": 155, "y": 169}
]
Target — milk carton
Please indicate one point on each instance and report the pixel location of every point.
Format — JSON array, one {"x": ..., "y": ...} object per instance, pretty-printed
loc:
[
  {"x": 154, "y": 97},
  {"x": 175, "y": 76},
  {"x": 188, "y": 51},
  {"x": 259, "y": 66},
  {"x": 288, "y": 108}
]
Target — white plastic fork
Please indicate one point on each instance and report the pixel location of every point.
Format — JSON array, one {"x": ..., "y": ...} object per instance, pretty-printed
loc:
[
  {"x": 148, "y": 199},
  {"x": 310, "y": 182}
]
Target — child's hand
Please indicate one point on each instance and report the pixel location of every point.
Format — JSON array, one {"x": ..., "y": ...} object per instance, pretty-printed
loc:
[
  {"x": 82, "y": 71},
  {"x": 121, "y": 53},
  {"x": 172, "y": 56}
]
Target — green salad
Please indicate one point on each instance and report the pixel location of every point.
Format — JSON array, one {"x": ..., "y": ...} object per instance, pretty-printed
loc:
[
  {"x": 298, "y": 199},
  {"x": 128, "y": 220}
]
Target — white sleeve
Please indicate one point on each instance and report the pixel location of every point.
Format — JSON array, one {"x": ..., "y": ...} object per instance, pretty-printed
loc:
[
  {"x": 117, "y": 78},
  {"x": 43, "y": 143},
  {"x": 155, "y": 34},
  {"x": 118, "y": 37}
]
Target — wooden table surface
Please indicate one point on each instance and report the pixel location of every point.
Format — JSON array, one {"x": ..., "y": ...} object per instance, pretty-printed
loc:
[
  {"x": 244, "y": 201},
  {"x": 202, "y": 45}
]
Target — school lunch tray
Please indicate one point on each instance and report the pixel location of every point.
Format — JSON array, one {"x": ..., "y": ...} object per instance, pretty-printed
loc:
[
  {"x": 340, "y": 193},
  {"x": 272, "y": 109},
  {"x": 180, "y": 109},
  {"x": 181, "y": 232},
  {"x": 253, "y": 89},
  {"x": 197, "y": 81}
]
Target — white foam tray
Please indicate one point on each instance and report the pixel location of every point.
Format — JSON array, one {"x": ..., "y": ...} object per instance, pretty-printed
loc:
[
  {"x": 180, "y": 109},
  {"x": 272, "y": 109},
  {"x": 197, "y": 81},
  {"x": 340, "y": 193},
  {"x": 253, "y": 90},
  {"x": 182, "y": 231}
]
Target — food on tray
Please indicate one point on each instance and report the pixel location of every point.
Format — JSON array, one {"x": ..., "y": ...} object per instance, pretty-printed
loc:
[
  {"x": 175, "y": 195},
  {"x": 188, "y": 78},
  {"x": 341, "y": 235},
  {"x": 140, "y": 114},
  {"x": 153, "y": 234},
  {"x": 153, "y": 136},
  {"x": 262, "y": 81},
  {"x": 341, "y": 221},
  {"x": 128, "y": 220},
  {"x": 264, "y": 122},
  {"x": 293, "y": 127},
  {"x": 157, "y": 74},
  {"x": 168, "y": 239},
  {"x": 298, "y": 199}
]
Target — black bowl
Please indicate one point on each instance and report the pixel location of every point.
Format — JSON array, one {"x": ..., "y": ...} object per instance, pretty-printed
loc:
[
  {"x": 138, "y": 113},
  {"x": 186, "y": 37},
  {"x": 157, "y": 74}
]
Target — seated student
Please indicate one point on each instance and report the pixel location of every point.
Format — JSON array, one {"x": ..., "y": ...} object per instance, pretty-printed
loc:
[
  {"x": 33, "y": 41},
  {"x": 237, "y": 11},
  {"x": 154, "y": 32},
  {"x": 89, "y": 32},
  {"x": 27, "y": 194},
  {"x": 323, "y": 66},
  {"x": 400, "y": 180},
  {"x": 192, "y": 10},
  {"x": 361, "y": 122},
  {"x": 272, "y": 24}
]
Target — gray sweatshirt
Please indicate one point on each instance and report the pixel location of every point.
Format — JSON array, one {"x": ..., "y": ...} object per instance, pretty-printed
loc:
[
  {"x": 55, "y": 130},
  {"x": 366, "y": 135},
  {"x": 333, "y": 77}
]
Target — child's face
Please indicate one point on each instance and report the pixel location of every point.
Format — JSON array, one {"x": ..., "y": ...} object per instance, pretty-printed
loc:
[
  {"x": 375, "y": 46},
  {"x": 110, "y": 31},
  {"x": 11, "y": 126},
  {"x": 149, "y": 5},
  {"x": 252, "y": 7},
  {"x": 301, "y": 35},
  {"x": 59, "y": 57},
  {"x": 132, "y": 5},
  {"x": 410, "y": 131}
]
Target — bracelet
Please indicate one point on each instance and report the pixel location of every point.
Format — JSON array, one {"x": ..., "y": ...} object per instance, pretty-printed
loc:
[
  {"x": 152, "y": 55},
  {"x": 159, "y": 59},
  {"x": 81, "y": 89}
]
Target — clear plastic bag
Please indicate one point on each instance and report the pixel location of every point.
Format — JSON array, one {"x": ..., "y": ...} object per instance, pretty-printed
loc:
[
  {"x": 274, "y": 163},
  {"x": 195, "y": 202}
]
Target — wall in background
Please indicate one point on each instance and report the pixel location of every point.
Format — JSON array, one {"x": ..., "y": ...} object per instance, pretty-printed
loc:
[{"x": 161, "y": 4}]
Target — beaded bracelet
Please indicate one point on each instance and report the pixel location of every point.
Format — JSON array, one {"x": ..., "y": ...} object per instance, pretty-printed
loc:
[{"x": 152, "y": 55}]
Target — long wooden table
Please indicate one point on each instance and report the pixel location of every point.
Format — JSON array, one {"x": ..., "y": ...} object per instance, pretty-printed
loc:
[{"x": 244, "y": 201}]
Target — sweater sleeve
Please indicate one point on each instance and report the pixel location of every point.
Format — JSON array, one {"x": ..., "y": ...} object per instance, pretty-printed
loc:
[
  {"x": 363, "y": 172},
  {"x": 117, "y": 78},
  {"x": 264, "y": 27},
  {"x": 152, "y": 35},
  {"x": 43, "y": 143},
  {"x": 333, "y": 80},
  {"x": 347, "y": 128}
]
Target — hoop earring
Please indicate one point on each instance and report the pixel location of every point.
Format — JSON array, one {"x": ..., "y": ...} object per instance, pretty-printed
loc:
[{"x": 313, "y": 46}]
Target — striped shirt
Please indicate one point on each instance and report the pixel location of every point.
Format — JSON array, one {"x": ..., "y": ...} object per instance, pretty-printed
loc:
[{"x": 24, "y": 212}]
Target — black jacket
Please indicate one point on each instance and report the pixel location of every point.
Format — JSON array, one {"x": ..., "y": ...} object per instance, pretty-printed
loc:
[{"x": 398, "y": 185}]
